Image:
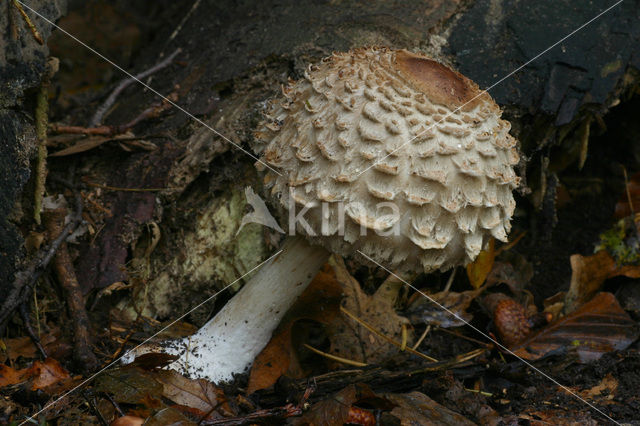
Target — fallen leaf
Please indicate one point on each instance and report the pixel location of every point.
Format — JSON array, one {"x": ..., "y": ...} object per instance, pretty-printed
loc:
[
  {"x": 513, "y": 270},
  {"x": 320, "y": 302},
  {"x": 200, "y": 394},
  {"x": 9, "y": 376},
  {"x": 597, "y": 327},
  {"x": 128, "y": 384},
  {"x": 353, "y": 341},
  {"x": 589, "y": 273},
  {"x": 24, "y": 347},
  {"x": 169, "y": 416},
  {"x": 41, "y": 374},
  {"x": 341, "y": 407},
  {"x": 479, "y": 269},
  {"x": 416, "y": 408},
  {"x": 47, "y": 373}
]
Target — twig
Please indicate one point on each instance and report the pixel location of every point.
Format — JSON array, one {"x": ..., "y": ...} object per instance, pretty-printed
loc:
[
  {"x": 114, "y": 403},
  {"x": 450, "y": 281},
  {"x": 261, "y": 416},
  {"x": 117, "y": 188},
  {"x": 422, "y": 337},
  {"x": 108, "y": 103},
  {"x": 82, "y": 353},
  {"x": 187, "y": 16},
  {"x": 26, "y": 322},
  {"x": 626, "y": 188},
  {"x": 335, "y": 358},
  {"x": 153, "y": 111},
  {"x": 41, "y": 120},
  {"x": 462, "y": 336},
  {"x": 26, "y": 279},
  {"x": 30, "y": 25},
  {"x": 94, "y": 408}
]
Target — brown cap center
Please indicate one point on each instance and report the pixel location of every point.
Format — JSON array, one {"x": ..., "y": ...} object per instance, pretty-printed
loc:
[{"x": 439, "y": 83}]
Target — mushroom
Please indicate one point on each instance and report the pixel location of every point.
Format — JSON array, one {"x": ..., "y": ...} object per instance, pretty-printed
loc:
[{"x": 381, "y": 151}]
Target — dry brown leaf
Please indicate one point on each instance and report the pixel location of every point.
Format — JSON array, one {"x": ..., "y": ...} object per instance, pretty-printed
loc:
[
  {"x": 320, "y": 302},
  {"x": 479, "y": 269},
  {"x": 9, "y": 376},
  {"x": 42, "y": 374},
  {"x": 588, "y": 275},
  {"x": 200, "y": 394},
  {"x": 55, "y": 345},
  {"x": 597, "y": 327},
  {"x": 47, "y": 373},
  {"x": 416, "y": 408},
  {"x": 353, "y": 341}
]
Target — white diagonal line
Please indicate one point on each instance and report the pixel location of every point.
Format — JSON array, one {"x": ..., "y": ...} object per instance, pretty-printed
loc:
[
  {"x": 491, "y": 339},
  {"x": 492, "y": 86},
  {"x": 147, "y": 86},
  {"x": 84, "y": 382}
]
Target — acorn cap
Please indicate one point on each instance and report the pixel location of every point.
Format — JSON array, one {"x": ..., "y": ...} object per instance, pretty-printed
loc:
[{"x": 393, "y": 154}]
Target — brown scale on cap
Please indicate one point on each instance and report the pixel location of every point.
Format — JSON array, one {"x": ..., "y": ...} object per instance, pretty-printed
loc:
[{"x": 375, "y": 125}]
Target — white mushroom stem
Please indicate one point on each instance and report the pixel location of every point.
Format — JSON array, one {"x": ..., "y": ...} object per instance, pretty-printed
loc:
[{"x": 229, "y": 342}]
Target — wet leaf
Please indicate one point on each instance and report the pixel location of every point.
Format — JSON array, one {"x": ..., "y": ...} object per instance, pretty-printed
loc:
[
  {"x": 128, "y": 384},
  {"x": 597, "y": 327},
  {"x": 589, "y": 273},
  {"x": 478, "y": 270}
]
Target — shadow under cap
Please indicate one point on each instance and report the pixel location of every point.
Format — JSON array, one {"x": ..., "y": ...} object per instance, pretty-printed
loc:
[{"x": 439, "y": 83}]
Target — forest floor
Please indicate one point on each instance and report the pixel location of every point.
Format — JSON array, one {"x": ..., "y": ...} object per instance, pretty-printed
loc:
[{"x": 143, "y": 208}]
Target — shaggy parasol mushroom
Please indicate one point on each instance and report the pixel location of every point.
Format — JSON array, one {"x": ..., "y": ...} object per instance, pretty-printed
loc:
[{"x": 385, "y": 143}]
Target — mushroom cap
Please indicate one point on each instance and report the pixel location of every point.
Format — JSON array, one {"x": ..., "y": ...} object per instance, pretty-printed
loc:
[{"x": 396, "y": 146}]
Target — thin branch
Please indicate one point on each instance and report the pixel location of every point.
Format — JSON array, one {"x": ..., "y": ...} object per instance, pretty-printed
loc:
[
  {"x": 108, "y": 103},
  {"x": 25, "y": 280}
]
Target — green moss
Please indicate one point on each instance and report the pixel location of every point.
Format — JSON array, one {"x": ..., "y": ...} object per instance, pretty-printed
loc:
[{"x": 621, "y": 241}]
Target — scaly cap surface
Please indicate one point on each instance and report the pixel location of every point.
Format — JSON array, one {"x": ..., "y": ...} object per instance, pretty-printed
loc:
[{"x": 375, "y": 125}]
